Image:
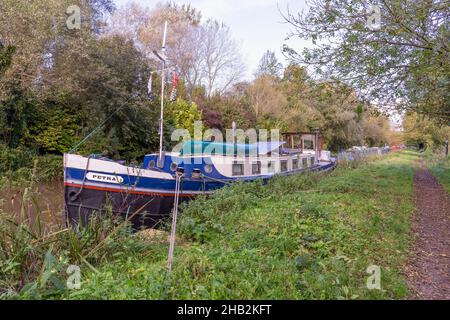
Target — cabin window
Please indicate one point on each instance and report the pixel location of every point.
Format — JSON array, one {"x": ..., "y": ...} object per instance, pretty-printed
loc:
[
  {"x": 173, "y": 166},
  {"x": 294, "y": 164},
  {"x": 256, "y": 167},
  {"x": 305, "y": 162},
  {"x": 238, "y": 169},
  {"x": 283, "y": 165},
  {"x": 151, "y": 164},
  {"x": 308, "y": 144}
]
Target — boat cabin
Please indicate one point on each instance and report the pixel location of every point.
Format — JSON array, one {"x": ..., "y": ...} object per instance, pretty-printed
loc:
[
  {"x": 300, "y": 141},
  {"x": 226, "y": 160}
]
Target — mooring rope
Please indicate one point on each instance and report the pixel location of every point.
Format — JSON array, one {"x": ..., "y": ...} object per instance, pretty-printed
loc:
[
  {"x": 101, "y": 125},
  {"x": 84, "y": 179},
  {"x": 178, "y": 181},
  {"x": 217, "y": 180}
]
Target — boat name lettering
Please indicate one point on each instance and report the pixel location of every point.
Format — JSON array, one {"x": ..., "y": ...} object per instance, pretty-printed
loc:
[{"x": 104, "y": 177}]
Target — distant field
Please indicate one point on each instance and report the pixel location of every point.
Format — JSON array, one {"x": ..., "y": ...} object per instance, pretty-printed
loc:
[{"x": 301, "y": 237}]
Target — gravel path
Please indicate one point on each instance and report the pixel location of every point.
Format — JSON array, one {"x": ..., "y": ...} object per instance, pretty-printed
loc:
[{"x": 429, "y": 269}]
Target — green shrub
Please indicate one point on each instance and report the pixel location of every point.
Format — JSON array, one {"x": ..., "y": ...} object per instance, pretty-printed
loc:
[
  {"x": 14, "y": 159},
  {"x": 19, "y": 165},
  {"x": 49, "y": 168}
]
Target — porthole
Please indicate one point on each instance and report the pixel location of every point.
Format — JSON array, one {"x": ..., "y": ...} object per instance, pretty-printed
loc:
[
  {"x": 173, "y": 166},
  {"x": 208, "y": 168},
  {"x": 151, "y": 164}
]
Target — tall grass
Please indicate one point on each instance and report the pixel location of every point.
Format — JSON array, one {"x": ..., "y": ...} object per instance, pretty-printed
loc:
[
  {"x": 439, "y": 164},
  {"x": 35, "y": 254}
]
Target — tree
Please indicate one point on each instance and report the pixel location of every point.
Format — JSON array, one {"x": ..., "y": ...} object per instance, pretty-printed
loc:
[
  {"x": 300, "y": 113},
  {"x": 340, "y": 114},
  {"x": 393, "y": 52},
  {"x": 269, "y": 65},
  {"x": 421, "y": 132},
  {"x": 183, "y": 114},
  {"x": 204, "y": 54},
  {"x": 26, "y": 26},
  {"x": 27, "y": 29},
  {"x": 266, "y": 98},
  {"x": 222, "y": 61},
  {"x": 128, "y": 21},
  {"x": 145, "y": 28},
  {"x": 98, "y": 11},
  {"x": 335, "y": 108},
  {"x": 48, "y": 102},
  {"x": 38, "y": 32},
  {"x": 376, "y": 128}
]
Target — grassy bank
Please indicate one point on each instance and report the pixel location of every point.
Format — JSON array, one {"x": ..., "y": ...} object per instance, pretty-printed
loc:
[
  {"x": 440, "y": 166},
  {"x": 299, "y": 237}
]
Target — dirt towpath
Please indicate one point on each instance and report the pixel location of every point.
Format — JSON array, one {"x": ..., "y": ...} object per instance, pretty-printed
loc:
[{"x": 428, "y": 271}]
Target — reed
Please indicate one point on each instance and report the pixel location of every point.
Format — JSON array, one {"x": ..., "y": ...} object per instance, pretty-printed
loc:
[{"x": 34, "y": 255}]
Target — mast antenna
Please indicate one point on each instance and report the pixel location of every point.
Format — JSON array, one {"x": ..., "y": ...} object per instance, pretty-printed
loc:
[{"x": 162, "y": 58}]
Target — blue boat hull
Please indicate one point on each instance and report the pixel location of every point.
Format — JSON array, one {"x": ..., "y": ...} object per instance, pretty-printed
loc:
[
  {"x": 146, "y": 201},
  {"x": 143, "y": 211}
]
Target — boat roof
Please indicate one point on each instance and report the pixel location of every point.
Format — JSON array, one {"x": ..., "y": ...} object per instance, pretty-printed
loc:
[{"x": 192, "y": 147}]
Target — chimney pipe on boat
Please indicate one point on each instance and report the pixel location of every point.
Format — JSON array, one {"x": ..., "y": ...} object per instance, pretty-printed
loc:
[{"x": 233, "y": 127}]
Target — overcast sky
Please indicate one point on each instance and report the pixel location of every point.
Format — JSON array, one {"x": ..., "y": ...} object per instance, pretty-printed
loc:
[{"x": 256, "y": 24}]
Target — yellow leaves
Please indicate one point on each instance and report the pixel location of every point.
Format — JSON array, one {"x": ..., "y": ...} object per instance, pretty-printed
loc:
[
  {"x": 183, "y": 114},
  {"x": 266, "y": 97},
  {"x": 134, "y": 272}
]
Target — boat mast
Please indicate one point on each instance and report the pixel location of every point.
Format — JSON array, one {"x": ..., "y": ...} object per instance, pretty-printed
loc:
[{"x": 162, "y": 57}]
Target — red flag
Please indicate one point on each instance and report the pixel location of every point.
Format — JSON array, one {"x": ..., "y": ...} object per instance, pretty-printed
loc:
[{"x": 175, "y": 81}]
